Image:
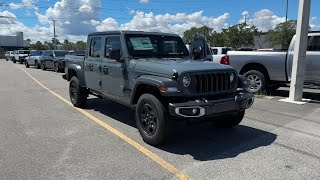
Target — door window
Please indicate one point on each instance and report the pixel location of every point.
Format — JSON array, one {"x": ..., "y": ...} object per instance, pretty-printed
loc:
[
  {"x": 314, "y": 43},
  {"x": 95, "y": 47},
  {"x": 50, "y": 53},
  {"x": 112, "y": 43}
]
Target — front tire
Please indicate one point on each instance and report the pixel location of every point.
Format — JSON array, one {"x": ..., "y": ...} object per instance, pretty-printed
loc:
[
  {"x": 37, "y": 65},
  {"x": 78, "y": 94},
  {"x": 230, "y": 121},
  {"x": 257, "y": 81},
  {"x": 26, "y": 64},
  {"x": 20, "y": 61},
  {"x": 14, "y": 61},
  {"x": 56, "y": 67},
  {"x": 152, "y": 120},
  {"x": 43, "y": 67}
]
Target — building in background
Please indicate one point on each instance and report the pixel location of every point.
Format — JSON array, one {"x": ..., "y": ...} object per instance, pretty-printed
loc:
[{"x": 9, "y": 43}]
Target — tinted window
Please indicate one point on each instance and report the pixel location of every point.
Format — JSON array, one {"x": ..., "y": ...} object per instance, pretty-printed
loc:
[
  {"x": 214, "y": 51},
  {"x": 113, "y": 43},
  {"x": 49, "y": 53},
  {"x": 140, "y": 45},
  {"x": 225, "y": 50},
  {"x": 95, "y": 47},
  {"x": 314, "y": 43},
  {"x": 36, "y": 53},
  {"x": 44, "y": 53},
  {"x": 60, "y": 53}
]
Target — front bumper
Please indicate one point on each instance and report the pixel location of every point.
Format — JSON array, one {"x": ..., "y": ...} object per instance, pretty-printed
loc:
[{"x": 205, "y": 108}]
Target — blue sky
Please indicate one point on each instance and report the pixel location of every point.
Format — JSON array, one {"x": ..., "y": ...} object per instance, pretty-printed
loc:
[{"x": 78, "y": 17}]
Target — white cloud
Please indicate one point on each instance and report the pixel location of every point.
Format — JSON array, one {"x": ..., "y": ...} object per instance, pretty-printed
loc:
[
  {"x": 29, "y": 4},
  {"x": 173, "y": 23},
  {"x": 144, "y": 1},
  {"x": 77, "y": 13},
  {"x": 263, "y": 19}
]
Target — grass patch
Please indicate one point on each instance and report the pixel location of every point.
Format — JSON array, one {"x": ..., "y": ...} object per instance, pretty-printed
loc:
[{"x": 261, "y": 94}]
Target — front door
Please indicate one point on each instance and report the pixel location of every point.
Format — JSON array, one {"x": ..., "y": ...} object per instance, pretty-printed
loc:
[
  {"x": 92, "y": 64},
  {"x": 112, "y": 72}
]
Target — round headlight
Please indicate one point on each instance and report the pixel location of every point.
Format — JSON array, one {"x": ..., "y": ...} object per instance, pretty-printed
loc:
[
  {"x": 231, "y": 77},
  {"x": 186, "y": 80}
]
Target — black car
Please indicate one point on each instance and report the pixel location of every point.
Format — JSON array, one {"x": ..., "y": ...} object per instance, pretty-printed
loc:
[{"x": 50, "y": 59}]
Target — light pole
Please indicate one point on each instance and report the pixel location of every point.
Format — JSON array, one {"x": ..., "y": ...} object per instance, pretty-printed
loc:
[
  {"x": 287, "y": 10},
  {"x": 54, "y": 34}
]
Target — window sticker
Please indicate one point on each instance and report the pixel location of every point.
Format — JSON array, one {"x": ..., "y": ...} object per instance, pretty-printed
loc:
[{"x": 141, "y": 43}]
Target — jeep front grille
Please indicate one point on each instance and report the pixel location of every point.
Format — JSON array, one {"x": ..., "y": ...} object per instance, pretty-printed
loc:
[{"x": 212, "y": 82}]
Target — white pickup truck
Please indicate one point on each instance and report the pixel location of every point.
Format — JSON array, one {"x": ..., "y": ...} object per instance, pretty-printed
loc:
[
  {"x": 219, "y": 55},
  {"x": 270, "y": 70}
]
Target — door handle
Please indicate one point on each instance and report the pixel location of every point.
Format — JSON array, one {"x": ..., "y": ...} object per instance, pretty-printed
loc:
[{"x": 104, "y": 69}]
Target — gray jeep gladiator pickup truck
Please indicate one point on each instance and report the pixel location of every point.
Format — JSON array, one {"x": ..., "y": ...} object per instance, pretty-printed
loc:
[{"x": 153, "y": 73}]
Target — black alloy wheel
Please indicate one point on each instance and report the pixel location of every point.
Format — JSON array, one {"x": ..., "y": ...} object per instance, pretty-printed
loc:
[{"x": 148, "y": 119}]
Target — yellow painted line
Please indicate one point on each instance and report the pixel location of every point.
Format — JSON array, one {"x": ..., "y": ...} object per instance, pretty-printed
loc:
[{"x": 130, "y": 141}]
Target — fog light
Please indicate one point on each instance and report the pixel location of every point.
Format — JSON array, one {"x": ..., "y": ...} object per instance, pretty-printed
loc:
[{"x": 194, "y": 111}]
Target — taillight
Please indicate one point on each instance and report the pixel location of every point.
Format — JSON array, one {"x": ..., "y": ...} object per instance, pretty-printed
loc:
[{"x": 225, "y": 60}]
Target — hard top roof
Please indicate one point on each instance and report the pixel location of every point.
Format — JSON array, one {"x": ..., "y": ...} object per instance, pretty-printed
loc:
[{"x": 130, "y": 32}]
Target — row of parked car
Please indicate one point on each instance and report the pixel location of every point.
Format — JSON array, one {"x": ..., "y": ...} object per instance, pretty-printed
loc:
[{"x": 47, "y": 59}]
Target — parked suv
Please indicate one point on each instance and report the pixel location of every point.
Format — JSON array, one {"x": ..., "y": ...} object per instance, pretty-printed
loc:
[
  {"x": 33, "y": 59},
  {"x": 9, "y": 55},
  {"x": 20, "y": 55},
  {"x": 50, "y": 59},
  {"x": 153, "y": 73}
]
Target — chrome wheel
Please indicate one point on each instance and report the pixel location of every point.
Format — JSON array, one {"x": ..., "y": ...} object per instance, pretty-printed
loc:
[{"x": 255, "y": 82}]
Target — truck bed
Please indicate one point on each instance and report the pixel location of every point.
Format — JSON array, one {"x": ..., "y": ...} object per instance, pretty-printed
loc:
[{"x": 274, "y": 62}]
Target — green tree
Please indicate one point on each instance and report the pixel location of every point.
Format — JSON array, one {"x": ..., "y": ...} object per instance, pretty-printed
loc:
[
  {"x": 48, "y": 45},
  {"x": 216, "y": 39},
  {"x": 38, "y": 46},
  {"x": 80, "y": 45},
  {"x": 282, "y": 33},
  {"x": 239, "y": 35},
  {"x": 204, "y": 31},
  {"x": 67, "y": 45}
]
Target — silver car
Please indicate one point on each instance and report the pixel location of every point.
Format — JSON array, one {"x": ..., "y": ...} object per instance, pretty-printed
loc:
[{"x": 33, "y": 59}]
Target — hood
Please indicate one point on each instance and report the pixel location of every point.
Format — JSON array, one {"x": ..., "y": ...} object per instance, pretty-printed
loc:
[{"x": 169, "y": 67}]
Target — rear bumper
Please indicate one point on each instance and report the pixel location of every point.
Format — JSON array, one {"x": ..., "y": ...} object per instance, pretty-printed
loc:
[{"x": 204, "y": 108}]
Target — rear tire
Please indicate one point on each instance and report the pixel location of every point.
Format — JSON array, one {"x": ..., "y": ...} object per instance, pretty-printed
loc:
[
  {"x": 230, "y": 121},
  {"x": 14, "y": 61},
  {"x": 78, "y": 94},
  {"x": 152, "y": 120},
  {"x": 20, "y": 61},
  {"x": 6, "y": 59},
  {"x": 257, "y": 81}
]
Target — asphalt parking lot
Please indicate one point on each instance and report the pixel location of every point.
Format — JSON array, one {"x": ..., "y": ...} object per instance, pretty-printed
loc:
[{"x": 42, "y": 137}]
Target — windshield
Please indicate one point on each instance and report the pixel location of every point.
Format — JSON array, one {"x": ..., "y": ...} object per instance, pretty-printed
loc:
[
  {"x": 24, "y": 52},
  {"x": 60, "y": 53},
  {"x": 36, "y": 53},
  {"x": 140, "y": 45}
]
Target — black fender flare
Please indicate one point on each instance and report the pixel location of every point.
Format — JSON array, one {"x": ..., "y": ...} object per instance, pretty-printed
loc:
[
  {"x": 79, "y": 73},
  {"x": 155, "y": 81}
]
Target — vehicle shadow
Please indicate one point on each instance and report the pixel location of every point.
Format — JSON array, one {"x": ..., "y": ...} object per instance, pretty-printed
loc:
[{"x": 202, "y": 141}]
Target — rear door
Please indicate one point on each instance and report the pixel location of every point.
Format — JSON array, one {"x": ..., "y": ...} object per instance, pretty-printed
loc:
[
  {"x": 112, "y": 72},
  {"x": 313, "y": 56},
  {"x": 49, "y": 59},
  {"x": 92, "y": 63}
]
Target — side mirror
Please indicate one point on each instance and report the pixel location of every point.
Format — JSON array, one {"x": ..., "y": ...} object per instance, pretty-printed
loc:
[
  {"x": 115, "y": 54},
  {"x": 196, "y": 54}
]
